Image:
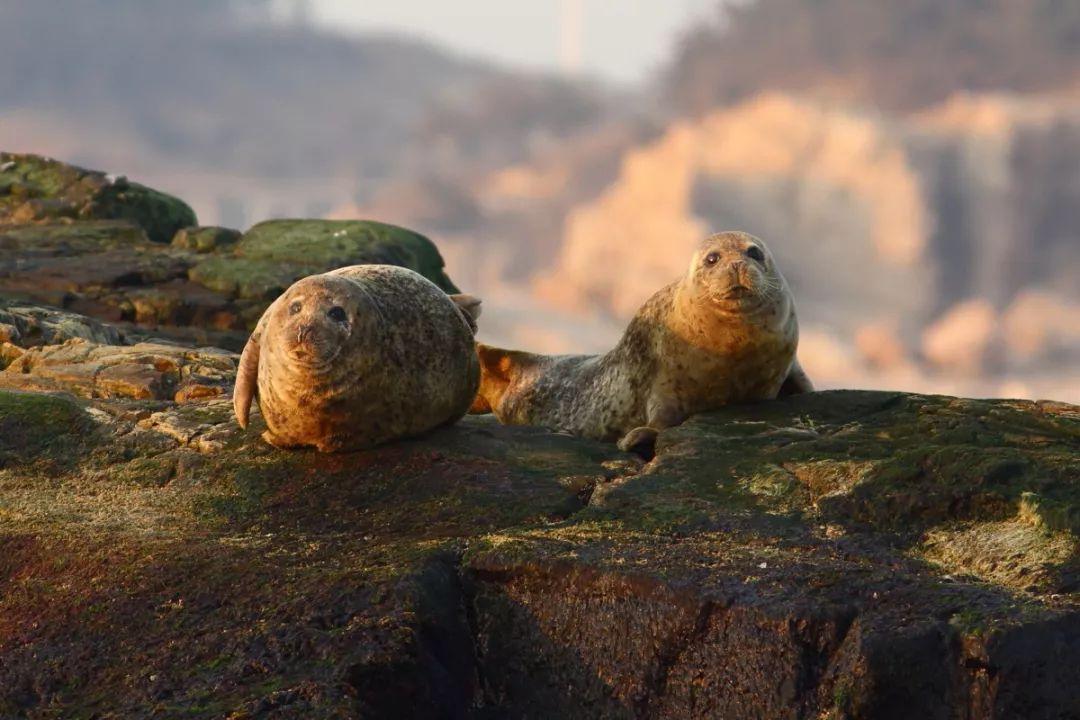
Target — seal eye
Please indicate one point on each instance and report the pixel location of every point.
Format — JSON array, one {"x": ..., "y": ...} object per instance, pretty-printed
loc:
[
  {"x": 337, "y": 314},
  {"x": 712, "y": 258},
  {"x": 295, "y": 307},
  {"x": 755, "y": 253}
]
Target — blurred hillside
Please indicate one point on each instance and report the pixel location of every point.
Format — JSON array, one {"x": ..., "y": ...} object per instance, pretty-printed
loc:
[
  {"x": 896, "y": 55},
  {"x": 914, "y": 164},
  {"x": 248, "y": 117}
]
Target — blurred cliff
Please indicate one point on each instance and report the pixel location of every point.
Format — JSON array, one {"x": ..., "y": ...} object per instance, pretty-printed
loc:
[{"x": 915, "y": 164}]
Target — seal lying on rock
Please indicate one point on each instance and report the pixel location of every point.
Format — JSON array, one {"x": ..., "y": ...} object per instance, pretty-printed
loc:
[
  {"x": 724, "y": 333},
  {"x": 359, "y": 356}
]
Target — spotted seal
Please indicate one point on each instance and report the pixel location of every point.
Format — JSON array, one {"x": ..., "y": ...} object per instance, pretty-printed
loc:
[
  {"x": 726, "y": 332},
  {"x": 359, "y": 356}
]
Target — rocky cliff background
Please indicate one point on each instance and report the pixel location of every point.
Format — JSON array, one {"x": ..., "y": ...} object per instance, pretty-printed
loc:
[{"x": 915, "y": 165}]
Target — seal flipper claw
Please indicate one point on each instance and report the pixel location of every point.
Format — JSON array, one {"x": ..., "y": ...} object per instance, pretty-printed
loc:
[{"x": 640, "y": 441}]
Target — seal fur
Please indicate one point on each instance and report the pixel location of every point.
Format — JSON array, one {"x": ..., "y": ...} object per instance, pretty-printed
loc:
[
  {"x": 357, "y": 357},
  {"x": 724, "y": 333}
]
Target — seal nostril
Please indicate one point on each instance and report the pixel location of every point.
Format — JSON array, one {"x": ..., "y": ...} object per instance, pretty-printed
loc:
[
  {"x": 337, "y": 314},
  {"x": 755, "y": 253}
]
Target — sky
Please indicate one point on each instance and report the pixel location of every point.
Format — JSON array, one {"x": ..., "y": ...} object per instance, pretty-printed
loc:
[{"x": 620, "y": 40}]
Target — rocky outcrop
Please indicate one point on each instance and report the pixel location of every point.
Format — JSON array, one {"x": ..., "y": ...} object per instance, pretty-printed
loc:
[
  {"x": 124, "y": 264},
  {"x": 834, "y": 555},
  {"x": 41, "y": 190}
]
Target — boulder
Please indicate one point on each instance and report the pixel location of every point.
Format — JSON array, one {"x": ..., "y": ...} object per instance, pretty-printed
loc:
[
  {"x": 205, "y": 239},
  {"x": 67, "y": 239},
  {"x": 835, "y": 555},
  {"x": 274, "y": 254},
  {"x": 34, "y": 189}
]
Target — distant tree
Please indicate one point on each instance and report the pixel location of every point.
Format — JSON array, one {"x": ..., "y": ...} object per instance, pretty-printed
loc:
[{"x": 897, "y": 54}]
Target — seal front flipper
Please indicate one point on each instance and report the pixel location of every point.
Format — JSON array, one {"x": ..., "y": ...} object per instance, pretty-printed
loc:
[
  {"x": 247, "y": 379},
  {"x": 796, "y": 382},
  {"x": 640, "y": 441}
]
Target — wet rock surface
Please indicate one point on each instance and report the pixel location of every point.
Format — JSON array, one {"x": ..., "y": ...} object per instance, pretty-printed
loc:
[{"x": 837, "y": 555}]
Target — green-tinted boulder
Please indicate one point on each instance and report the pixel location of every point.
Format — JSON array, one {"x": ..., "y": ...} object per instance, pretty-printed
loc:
[
  {"x": 34, "y": 189},
  {"x": 205, "y": 239},
  {"x": 274, "y": 254}
]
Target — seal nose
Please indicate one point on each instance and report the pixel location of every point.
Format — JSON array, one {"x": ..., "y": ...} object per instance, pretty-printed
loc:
[{"x": 302, "y": 333}]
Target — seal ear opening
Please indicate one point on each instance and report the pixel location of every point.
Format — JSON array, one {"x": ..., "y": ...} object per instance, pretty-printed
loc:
[
  {"x": 247, "y": 377},
  {"x": 469, "y": 306}
]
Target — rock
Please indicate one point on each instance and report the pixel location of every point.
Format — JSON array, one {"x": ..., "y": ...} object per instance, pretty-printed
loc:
[
  {"x": 30, "y": 326},
  {"x": 210, "y": 286},
  {"x": 274, "y": 254},
  {"x": 144, "y": 371},
  {"x": 34, "y": 189},
  {"x": 205, "y": 239},
  {"x": 841, "y": 554}
]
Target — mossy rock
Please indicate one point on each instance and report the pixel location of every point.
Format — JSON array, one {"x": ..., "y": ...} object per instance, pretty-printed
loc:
[
  {"x": 41, "y": 428},
  {"x": 328, "y": 244},
  {"x": 205, "y": 239},
  {"x": 71, "y": 238},
  {"x": 34, "y": 189}
]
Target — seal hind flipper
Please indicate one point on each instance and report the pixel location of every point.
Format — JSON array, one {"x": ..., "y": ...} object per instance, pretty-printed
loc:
[
  {"x": 470, "y": 308},
  {"x": 797, "y": 382},
  {"x": 498, "y": 370},
  {"x": 247, "y": 379}
]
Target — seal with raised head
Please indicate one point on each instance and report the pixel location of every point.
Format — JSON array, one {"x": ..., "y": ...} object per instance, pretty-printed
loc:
[
  {"x": 359, "y": 356},
  {"x": 724, "y": 333}
]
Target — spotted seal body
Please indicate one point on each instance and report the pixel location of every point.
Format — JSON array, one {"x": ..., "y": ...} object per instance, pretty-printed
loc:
[
  {"x": 726, "y": 332},
  {"x": 359, "y": 356}
]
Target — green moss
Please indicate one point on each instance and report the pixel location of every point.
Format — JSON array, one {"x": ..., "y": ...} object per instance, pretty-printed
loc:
[
  {"x": 843, "y": 695},
  {"x": 970, "y": 622},
  {"x": 37, "y": 427},
  {"x": 161, "y": 215},
  {"x": 249, "y": 279},
  {"x": 328, "y": 244},
  {"x": 82, "y": 237},
  {"x": 205, "y": 239}
]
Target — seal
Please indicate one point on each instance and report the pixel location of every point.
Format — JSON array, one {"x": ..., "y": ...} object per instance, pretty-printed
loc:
[
  {"x": 726, "y": 332},
  {"x": 357, "y": 357}
]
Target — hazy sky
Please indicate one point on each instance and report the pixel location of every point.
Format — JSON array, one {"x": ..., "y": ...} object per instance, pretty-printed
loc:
[{"x": 620, "y": 39}]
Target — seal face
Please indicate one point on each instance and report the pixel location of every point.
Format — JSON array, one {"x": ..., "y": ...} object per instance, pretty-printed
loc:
[
  {"x": 726, "y": 332},
  {"x": 359, "y": 356}
]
